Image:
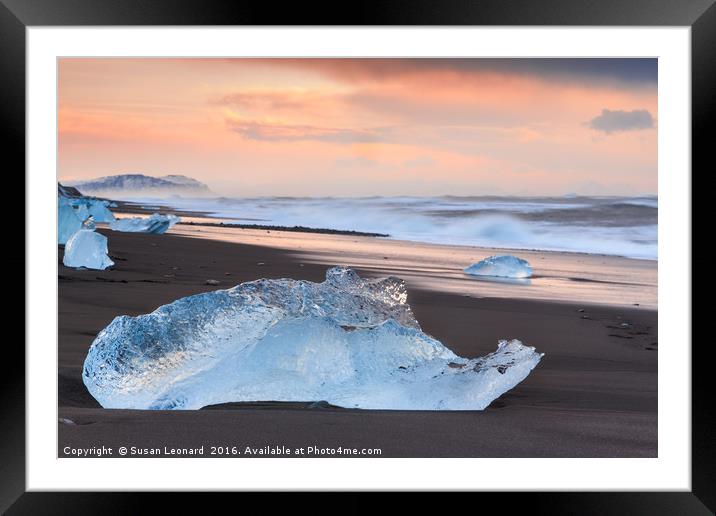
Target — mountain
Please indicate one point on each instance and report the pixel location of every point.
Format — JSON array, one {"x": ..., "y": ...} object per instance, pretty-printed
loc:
[
  {"x": 140, "y": 185},
  {"x": 67, "y": 191},
  {"x": 182, "y": 180}
]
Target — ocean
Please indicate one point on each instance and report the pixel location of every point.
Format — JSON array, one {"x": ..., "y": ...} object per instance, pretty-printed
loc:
[{"x": 620, "y": 226}]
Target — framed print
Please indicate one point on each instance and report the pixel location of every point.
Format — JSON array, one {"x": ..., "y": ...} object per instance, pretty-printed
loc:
[{"x": 425, "y": 248}]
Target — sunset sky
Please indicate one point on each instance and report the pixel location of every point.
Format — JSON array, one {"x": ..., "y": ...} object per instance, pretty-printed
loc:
[{"x": 347, "y": 127}]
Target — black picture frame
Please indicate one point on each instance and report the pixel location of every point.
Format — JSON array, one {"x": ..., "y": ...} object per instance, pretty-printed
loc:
[{"x": 700, "y": 15}]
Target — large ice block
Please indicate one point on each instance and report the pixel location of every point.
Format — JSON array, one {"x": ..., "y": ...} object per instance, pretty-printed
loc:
[
  {"x": 87, "y": 249},
  {"x": 503, "y": 266},
  {"x": 68, "y": 220},
  {"x": 155, "y": 223},
  {"x": 351, "y": 342}
]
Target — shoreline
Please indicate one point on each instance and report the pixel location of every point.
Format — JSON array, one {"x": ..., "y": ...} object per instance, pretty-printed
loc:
[
  {"x": 593, "y": 395},
  {"x": 561, "y": 276},
  {"x": 349, "y": 232},
  {"x": 203, "y": 218},
  {"x": 291, "y": 229}
]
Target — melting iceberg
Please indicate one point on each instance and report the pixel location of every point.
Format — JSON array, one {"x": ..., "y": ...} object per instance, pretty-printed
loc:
[
  {"x": 351, "y": 342},
  {"x": 99, "y": 210},
  {"x": 87, "y": 249},
  {"x": 81, "y": 210},
  {"x": 73, "y": 211},
  {"x": 155, "y": 223},
  {"x": 503, "y": 266},
  {"x": 68, "y": 220}
]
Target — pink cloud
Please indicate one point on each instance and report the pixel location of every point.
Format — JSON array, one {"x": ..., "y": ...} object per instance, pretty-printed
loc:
[{"x": 292, "y": 121}]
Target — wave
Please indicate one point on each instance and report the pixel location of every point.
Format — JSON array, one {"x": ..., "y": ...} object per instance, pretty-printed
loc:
[{"x": 598, "y": 225}]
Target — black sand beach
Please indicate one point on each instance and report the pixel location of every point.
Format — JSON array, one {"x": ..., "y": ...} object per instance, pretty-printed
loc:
[{"x": 593, "y": 395}]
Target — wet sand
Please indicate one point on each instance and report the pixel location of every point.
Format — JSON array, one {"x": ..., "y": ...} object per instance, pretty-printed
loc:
[{"x": 593, "y": 395}]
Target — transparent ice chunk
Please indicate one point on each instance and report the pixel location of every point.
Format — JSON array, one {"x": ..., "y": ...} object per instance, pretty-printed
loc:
[
  {"x": 348, "y": 341},
  {"x": 503, "y": 266},
  {"x": 155, "y": 223},
  {"x": 87, "y": 249},
  {"x": 68, "y": 220}
]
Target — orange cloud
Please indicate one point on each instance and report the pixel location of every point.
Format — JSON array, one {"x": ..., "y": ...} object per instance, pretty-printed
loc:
[
  {"x": 278, "y": 132},
  {"x": 451, "y": 125}
]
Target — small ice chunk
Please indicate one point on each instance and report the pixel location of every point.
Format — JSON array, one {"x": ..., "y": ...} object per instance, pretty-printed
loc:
[
  {"x": 87, "y": 249},
  {"x": 502, "y": 266},
  {"x": 155, "y": 223},
  {"x": 68, "y": 220},
  {"x": 347, "y": 341}
]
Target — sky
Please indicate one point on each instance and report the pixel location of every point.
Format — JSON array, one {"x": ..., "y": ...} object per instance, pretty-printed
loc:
[{"x": 356, "y": 127}]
